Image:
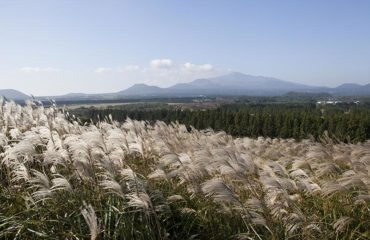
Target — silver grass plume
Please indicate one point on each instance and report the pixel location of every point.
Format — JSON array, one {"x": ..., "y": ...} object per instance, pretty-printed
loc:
[{"x": 91, "y": 220}]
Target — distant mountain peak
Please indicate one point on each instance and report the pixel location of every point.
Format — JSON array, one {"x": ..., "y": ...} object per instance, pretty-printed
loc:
[
  {"x": 349, "y": 85},
  {"x": 13, "y": 94},
  {"x": 140, "y": 89},
  {"x": 140, "y": 85}
]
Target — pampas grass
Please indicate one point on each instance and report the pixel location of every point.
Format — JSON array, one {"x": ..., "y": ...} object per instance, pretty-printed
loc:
[{"x": 134, "y": 180}]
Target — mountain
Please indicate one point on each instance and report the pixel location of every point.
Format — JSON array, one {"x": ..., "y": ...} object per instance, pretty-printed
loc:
[
  {"x": 350, "y": 89},
  {"x": 238, "y": 84},
  {"x": 13, "y": 94},
  {"x": 347, "y": 86},
  {"x": 142, "y": 90},
  {"x": 243, "y": 81},
  {"x": 233, "y": 84}
]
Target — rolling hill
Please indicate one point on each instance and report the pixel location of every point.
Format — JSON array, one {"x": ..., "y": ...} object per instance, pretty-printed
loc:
[{"x": 13, "y": 94}]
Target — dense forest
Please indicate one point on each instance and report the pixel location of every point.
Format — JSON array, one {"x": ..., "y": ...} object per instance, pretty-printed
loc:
[{"x": 346, "y": 122}]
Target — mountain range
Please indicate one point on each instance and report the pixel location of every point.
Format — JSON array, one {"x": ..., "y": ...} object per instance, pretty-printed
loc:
[{"x": 233, "y": 84}]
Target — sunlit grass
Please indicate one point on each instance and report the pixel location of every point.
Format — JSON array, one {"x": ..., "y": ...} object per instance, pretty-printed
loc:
[{"x": 62, "y": 180}]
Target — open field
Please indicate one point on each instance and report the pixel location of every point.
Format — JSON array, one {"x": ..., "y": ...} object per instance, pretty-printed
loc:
[
  {"x": 147, "y": 105},
  {"x": 134, "y": 180},
  {"x": 95, "y": 105}
]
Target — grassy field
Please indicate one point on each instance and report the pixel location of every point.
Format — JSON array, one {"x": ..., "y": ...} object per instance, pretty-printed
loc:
[{"x": 133, "y": 180}]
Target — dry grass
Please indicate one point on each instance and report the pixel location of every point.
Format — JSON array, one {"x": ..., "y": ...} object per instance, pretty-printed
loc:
[{"x": 62, "y": 180}]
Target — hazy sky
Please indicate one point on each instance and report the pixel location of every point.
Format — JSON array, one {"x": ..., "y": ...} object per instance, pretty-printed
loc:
[{"x": 53, "y": 47}]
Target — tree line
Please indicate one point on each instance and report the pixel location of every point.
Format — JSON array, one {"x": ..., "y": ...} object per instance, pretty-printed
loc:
[{"x": 345, "y": 123}]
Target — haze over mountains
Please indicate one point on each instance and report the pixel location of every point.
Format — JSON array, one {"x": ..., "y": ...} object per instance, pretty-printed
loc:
[
  {"x": 233, "y": 84},
  {"x": 13, "y": 94}
]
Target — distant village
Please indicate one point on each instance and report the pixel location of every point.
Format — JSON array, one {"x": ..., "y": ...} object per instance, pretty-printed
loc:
[{"x": 334, "y": 102}]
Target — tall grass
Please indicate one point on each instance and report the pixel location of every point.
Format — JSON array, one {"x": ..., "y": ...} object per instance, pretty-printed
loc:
[{"x": 63, "y": 180}]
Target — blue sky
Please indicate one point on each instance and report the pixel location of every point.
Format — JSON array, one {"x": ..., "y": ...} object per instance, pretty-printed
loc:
[{"x": 54, "y": 47}]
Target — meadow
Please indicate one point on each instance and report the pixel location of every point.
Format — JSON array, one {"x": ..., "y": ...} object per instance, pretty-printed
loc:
[{"x": 60, "y": 179}]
